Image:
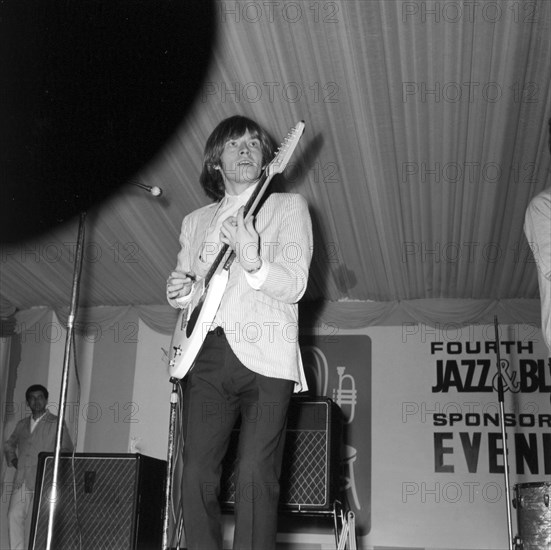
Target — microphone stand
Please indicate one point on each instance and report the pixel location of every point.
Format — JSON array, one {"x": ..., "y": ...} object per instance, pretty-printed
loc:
[
  {"x": 170, "y": 461},
  {"x": 504, "y": 437},
  {"x": 155, "y": 191},
  {"x": 65, "y": 377}
]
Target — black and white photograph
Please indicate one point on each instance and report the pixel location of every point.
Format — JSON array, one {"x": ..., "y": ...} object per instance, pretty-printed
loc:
[{"x": 275, "y": 275}]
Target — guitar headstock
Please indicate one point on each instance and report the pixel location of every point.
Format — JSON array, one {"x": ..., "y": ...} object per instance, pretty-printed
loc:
[{"x": 285, "y": 150}]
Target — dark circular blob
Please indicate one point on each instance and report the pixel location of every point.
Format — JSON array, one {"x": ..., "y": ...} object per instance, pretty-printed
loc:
[{"x": 91, "y": 90}]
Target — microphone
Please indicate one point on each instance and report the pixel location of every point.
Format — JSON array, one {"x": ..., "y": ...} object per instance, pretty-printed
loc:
[{"x": 155, "y": 191}]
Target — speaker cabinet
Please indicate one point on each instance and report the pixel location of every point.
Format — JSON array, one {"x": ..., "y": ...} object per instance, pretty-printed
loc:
[
  {"x": 107, "y": 501},
  {"x": 310, "y": 467}
]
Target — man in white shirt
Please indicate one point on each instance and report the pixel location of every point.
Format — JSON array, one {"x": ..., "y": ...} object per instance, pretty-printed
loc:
[
  {"x": 32, "y": 435},
  {"x": 250, "y": 361},
  {"x": 537, "y": 227}
]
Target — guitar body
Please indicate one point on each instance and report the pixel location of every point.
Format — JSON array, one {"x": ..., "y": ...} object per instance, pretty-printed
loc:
[{"x": 196, "y": 319}]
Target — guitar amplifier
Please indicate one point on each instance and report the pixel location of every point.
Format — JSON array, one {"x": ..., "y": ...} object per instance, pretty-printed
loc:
[
  {"x": 110, "y": 501},
  {"x": 311, "y": 458}
]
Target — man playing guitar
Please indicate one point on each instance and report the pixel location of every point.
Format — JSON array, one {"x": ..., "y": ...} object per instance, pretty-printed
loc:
[{"x": 249, "y": 363}]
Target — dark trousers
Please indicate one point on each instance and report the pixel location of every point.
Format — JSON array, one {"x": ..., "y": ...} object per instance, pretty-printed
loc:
[{"x": 218, "y": 389}]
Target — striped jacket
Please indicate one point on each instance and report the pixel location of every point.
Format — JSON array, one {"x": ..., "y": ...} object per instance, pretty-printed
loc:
[{"x": 261, "y": 324}]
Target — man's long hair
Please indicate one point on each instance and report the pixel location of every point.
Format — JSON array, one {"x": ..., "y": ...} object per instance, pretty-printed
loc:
[{"x": 230, "y": 128}]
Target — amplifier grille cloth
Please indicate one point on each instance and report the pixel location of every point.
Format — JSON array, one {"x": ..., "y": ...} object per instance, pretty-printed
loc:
[
  {"x": 107, "y": 509},
  {"x": 304, "y": 475}
]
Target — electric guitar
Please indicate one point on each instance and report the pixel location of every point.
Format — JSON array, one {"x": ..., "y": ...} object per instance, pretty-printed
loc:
[{"x": 195, "y": 320}]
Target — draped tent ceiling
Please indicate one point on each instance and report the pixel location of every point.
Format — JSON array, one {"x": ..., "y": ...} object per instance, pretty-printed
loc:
[{"x": 426, "y": 136}]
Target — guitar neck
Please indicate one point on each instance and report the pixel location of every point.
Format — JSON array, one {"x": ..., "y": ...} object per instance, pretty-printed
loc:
[
  {"x": 257, "y": 195},
  {"x": 249, "y": 209}
]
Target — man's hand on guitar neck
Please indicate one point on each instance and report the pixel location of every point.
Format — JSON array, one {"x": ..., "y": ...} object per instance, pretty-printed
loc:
[
  {"x": 179, "y": 284},
  {"x": 243, "y": 238}
]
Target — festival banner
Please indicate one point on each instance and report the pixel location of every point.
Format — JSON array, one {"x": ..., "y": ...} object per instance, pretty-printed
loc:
[{"x": 339, "y": 367}]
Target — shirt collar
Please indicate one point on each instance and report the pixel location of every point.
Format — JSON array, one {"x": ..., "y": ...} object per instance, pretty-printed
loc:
[{"x": 242, "y": 198}]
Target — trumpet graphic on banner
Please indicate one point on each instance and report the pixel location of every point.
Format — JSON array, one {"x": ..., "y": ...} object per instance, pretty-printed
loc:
[{"x": 346, "y": 396}]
